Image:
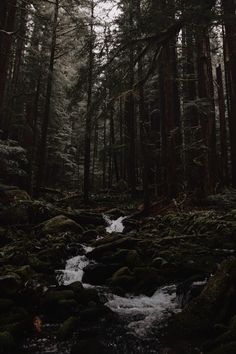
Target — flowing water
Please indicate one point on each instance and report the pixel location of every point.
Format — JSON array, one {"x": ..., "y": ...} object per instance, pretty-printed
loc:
[{"x": 140, "y": 318}]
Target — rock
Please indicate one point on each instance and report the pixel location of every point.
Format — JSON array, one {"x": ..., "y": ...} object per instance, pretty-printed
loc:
[
  {"x": 60, "y": 224},
  {"x": 13, "y": 212},
  {"x": 190, "y": 289},
  {"x": 60, "y": 304},
  {"x": 229, "y": 348},
  {"x": 87, "y": 295},
  {"x": 7, "y": 343},
  {"x": 89, "y": 235},
  {"x": 25, "y": 272},
  {"x": 159, "y": 262},
  {"x": 10, "y": 284},
  {"x": 123, "y": 279},
  {"x": 94, "y": 312},
  {"x": 5, "y": 305},
  {"x": 133, "y": 259},
  {"x": 122, "y": 242},
  {"x": 67, "y": 328},
  {"x": 147, "y": 279},
  {"x": 215, "y": 304},
  {"x": 77, "y": 287},
  {"x": 88, "y": 346},
  {"x": 97, "y": 274},
  {"x": 122, "y": 271}
]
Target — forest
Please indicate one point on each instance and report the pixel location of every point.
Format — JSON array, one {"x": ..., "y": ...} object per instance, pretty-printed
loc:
[{"x": 117, "y": 176}]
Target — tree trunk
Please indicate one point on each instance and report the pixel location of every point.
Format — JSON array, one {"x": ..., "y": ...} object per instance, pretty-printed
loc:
[
  {"x": 223, "y": 129},
  {"x": 46, "y": 119},
  {"x": 130, "y": 114},
  {"x": 88, "y": 124},
  {"x": 207, "y": 111},
  {"x": 229, "y": 8},
  {"x": 7, "y": 23}
]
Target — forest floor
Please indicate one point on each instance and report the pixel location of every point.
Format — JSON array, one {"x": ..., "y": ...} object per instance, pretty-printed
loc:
[{"x": 192, "y": 247}]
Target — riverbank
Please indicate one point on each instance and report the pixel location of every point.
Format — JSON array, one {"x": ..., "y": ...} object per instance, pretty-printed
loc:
[{"x": 187, "y": 248}]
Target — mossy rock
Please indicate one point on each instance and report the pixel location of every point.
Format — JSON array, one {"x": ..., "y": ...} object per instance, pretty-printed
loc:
[
  {"x": 60, "y": 224},
  {"x": 26, "y": 272},
  {"x": 5, "y": 305},
  {"x": 7, "y": 343},
  {"x": 229, "y": 348},
  {"x": 10, "y": 284},
  {"x": 89, "y": 235},
  {"x": 87, "y": 295},
  {"x": 67, "y": 328},
  {"x": 123, "y": 283},
  {"x": 133, "y": 259},
  {"x": 215, "y": 304},
  {"x": 88, "y": 346},
  {"x": 123, "y": 271},
  {"x": 59, "y": 295}
]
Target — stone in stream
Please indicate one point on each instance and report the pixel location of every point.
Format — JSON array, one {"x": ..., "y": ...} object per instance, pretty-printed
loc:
[
  {"x": 97, "y": 274},
  {"x": 88, "y": 346},
  {"x": 121, "y": 242},
  {"x": 7, "y": 343},
  {"x": 215, "y": 304},
  {"x": 67, "y": 328},
  {"x": 60, "y": 224},
  {"x": 10, "y": 284}
]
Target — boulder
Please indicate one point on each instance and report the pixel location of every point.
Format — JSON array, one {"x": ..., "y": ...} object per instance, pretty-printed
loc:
[
  {"x": 88, "y": 346},
  {"x": 12, "y": 210},
  {"x": 7, "y": 343},
  {"x": 10, "y": 284},
  {"x": 215, "y": 304},
  {"x": 89, "y": 235},
  {"x": 121, "y": 242},
  {"x": 67, "y": 328},
  {"x": 60, "y": 224},
  {"x": 97, "y": 274}
]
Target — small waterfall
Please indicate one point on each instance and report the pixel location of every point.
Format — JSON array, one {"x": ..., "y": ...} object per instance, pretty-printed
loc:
[
  {"x": 74, "y": 268},
  {"x": 142, "y": 313},
  {"x": 114, "y": 225}
]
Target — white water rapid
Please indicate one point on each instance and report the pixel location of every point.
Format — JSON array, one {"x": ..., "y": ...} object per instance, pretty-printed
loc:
[
  {"x": 143, "y": 312},
  {"x": 114, "y": 225},
  {"x": 74, "y": 269}
]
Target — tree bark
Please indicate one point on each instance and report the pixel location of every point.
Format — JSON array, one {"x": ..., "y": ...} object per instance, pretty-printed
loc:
[
  {"x": 229, "y": 9},
  {"x": 46, "y": 119}
]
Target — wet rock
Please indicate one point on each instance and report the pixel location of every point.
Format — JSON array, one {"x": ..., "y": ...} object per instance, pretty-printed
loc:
[
  {"x": 67, "y": 328},
  {"x": 5, "y": 305},
  {"x": 94, "y": 312},
  {"x": 97, "y": 274},
  {"x": 123, "y": 279},
  {"x": 89, "y": 235},
  {"x": 190, "y": 289},
  {"x": 148, "y": 279},
  {"x": 229, "y": 348},
  {"x": 159, "y": 262},
  {"x": 12, "y": 212},
  {"x": 133, "y": 259},
  {"x": 10, "y": 284},
  {"x": 215, "y": 304},
  {"x": 88, "y": 295},
  {"x": 7, "y": 343},
  {"x": 88, "y": 346},
  {"x": 122, "y": 242},
  {"x": 60, "y": 224}
]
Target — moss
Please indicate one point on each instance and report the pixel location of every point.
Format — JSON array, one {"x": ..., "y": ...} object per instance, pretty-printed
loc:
[
  {"x": 229, "y": 348},
  {"x": 67, "y": 328},
  {"x": 59, "y": 224},
  {"x": 7, "y": 343}
]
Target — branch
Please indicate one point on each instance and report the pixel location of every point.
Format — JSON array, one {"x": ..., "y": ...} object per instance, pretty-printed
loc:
[
  {"x": 8, "y": 33},
  {"x": 158, "y": 39}
]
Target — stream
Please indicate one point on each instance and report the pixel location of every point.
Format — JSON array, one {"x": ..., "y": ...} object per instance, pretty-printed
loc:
[{"x": 139, "y": 318}]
